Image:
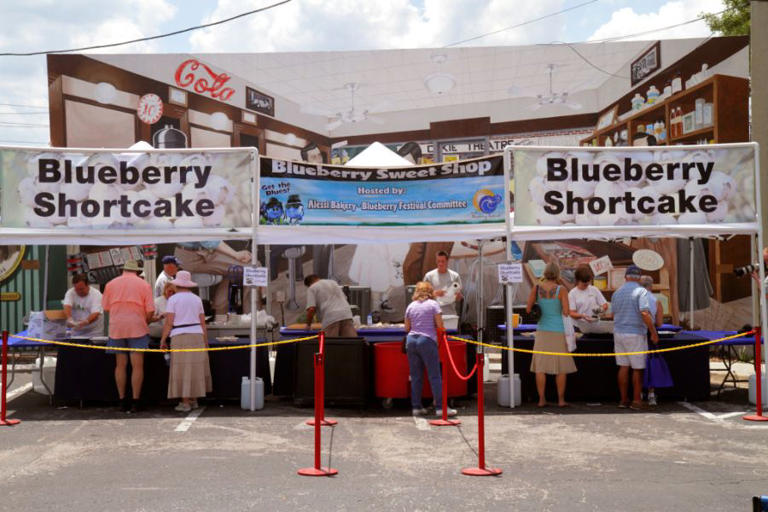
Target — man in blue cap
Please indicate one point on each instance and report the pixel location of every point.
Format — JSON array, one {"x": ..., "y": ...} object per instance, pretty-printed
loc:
[
  {"x": 631, "y": 307},
  {"x": 170, "y": 267}
]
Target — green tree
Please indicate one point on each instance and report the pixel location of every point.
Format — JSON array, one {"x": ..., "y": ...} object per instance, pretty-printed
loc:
[{"x": 733, "y": 21}]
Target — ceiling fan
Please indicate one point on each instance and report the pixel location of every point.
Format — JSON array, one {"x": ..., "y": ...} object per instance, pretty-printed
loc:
[
  {"x": 553, "y": 98},
  {"x": 353, "y": 114}
]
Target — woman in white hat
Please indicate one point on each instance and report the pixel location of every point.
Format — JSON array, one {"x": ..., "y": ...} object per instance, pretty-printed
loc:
[{"x": 190, "y": 374}]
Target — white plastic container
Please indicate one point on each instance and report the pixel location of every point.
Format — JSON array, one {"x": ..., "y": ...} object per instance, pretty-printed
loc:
[
  {"x": 245, "y": 394},
  {"x": 502, "y": 391},
  {"x": 49, "y": 374},
  {"x": 753, "y": 392},
  {"x": 451, "y": 321}
]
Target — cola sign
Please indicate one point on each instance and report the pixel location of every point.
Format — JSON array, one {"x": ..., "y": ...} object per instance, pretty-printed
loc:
[{"x": 203, "y": 80}]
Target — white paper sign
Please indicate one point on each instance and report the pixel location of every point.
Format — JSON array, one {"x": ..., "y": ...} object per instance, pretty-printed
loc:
[
  {"x": 601, "y": 265},
  {"x": 510, "y": 273},
  {"x": 255, "y": 276}
]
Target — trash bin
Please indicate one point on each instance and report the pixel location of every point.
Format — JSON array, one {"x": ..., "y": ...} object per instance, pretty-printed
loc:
[
  {"x": 49, "y": 375},
  {"x": 391, "y": 373}
]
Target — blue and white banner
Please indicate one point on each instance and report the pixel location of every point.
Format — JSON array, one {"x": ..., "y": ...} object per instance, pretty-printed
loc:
[{"x": 454, "y": 193}]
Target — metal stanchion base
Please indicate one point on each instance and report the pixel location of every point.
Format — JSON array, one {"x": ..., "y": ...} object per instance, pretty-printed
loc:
[
  {"x": 445, "y": 423},
  {"x": 481, "y": 471},
  {"x": 325, "y": 423},
  {"x": 317, "y": 472},
  {"x": 9, "y": 423},
  {"x": 754, "y": 417}
]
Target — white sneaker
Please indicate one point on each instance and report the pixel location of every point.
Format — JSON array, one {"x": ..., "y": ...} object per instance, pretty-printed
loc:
[
  {"x": 449, "y": 412},
  {"x": 194, "y": 405},
  {"x": 182, "y": 407},
  {"x": 419, "y": 412}
]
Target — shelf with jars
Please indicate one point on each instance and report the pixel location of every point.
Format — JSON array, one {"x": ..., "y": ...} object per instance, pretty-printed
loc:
[{"x": 713, "y": 110}]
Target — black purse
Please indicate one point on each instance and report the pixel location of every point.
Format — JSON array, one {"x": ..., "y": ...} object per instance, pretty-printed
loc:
[{"x": 535, "y": 315}]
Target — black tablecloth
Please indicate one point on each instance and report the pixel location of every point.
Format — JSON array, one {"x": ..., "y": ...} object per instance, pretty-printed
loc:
[
  {"x": 596, "y": 376},
  {"x": 87, "y": 375}
]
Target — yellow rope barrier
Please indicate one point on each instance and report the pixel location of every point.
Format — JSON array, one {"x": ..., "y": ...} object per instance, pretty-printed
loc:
[
  {"x": 126, "y": 349},
  {"x": 603, "y": 354}
]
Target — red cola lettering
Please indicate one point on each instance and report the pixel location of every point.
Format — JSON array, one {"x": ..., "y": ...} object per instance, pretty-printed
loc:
[{"x": 212, "y": 84}]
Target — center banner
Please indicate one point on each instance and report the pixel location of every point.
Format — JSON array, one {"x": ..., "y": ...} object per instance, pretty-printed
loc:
[{"x": 301, "y": 193}]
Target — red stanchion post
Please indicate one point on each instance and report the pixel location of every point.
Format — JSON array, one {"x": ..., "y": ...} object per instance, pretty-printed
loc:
[
  {"x": 323, "y": 420},
  {"x": 444, "y": 421},
  {"x": 317, "y": 469},
  {"x": 480, "y": 470},
  {"x": 758, "y": 379},
  {"x": 3, "y": 401}
]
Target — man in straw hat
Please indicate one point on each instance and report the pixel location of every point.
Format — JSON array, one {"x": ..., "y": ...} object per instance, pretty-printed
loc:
[{"x": 129, "y": 302}]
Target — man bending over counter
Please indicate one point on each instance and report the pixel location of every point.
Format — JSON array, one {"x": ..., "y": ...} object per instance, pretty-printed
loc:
[{"x": 326, "y": 298}]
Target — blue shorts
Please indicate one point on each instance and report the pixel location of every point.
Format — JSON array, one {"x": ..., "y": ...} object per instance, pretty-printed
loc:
[{"x": 142, "y": 342}]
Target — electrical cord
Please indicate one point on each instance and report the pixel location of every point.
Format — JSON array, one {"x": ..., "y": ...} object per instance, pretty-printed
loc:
[
  {"x": 466, "y": 441},
  {"x": 4, "y": 123},
  {"x": 330, "y": 446},
  {"x": 598, "y": 68},
  {"x": 150, "y": 38},
  {"x": 520, "y": 24},
  {"x": 39, "y": 113},
  {"x": 22, "y": 105}
]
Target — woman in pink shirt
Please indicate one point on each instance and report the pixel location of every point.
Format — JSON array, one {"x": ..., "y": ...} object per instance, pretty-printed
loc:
[{"x": 190, "y": 374}]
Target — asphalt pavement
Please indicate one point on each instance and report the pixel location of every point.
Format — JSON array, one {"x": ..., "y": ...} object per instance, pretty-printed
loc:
[{"x": 677, "y": 456}]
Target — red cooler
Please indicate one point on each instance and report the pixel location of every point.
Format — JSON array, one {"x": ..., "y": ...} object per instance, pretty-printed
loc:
[{"x": 391, "y": 371}]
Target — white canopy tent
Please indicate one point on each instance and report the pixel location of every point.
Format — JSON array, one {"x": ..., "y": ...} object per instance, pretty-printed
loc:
[
  {"x": 259, "y": 234},
  {"x": 378, "y": 155},
  {"x": 753, "y": 227}
]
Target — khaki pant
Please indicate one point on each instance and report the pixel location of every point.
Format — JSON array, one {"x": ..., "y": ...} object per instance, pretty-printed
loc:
[
  {"x": 216, "y": 263},
  {"x": 341, "y": 329}
]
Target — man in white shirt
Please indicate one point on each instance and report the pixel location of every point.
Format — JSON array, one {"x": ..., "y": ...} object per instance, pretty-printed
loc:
[
  {"x": 446, "y": 283},
  {"x": 82, "y": 305},
  {"x": 586, "y": 302},
  {"x": 326, "y": 298},
  {"x": 170, "y": 267}
]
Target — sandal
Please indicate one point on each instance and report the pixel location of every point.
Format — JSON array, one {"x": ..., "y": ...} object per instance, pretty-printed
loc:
[{"x": 623, "y": 405}]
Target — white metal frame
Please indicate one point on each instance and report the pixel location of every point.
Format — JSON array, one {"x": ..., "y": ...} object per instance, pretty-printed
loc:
[
  {"x": 685, "y": 231},
  {"x": 136, "y": 236}
]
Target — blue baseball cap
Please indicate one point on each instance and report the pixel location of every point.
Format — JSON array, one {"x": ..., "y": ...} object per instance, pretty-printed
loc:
[
  {"x": 171, "y": 259},
  {"x": 633, "y": 270}
]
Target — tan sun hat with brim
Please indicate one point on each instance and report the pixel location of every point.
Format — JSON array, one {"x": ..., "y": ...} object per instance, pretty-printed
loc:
[{"x": 133, "y": 266}]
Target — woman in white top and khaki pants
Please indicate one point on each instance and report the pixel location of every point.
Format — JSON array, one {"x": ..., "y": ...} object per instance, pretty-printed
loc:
[{"x": 190, "y": 373}]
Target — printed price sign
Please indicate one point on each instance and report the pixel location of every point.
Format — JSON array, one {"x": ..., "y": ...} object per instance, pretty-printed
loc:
[
  {"x": 601, "y": 265},
  {"x": 510, "y": 273},
  {"x": 255, "y": 276}
]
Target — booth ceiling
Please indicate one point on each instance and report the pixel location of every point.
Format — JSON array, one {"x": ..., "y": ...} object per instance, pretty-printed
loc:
[{"x": 396, "y": 78}]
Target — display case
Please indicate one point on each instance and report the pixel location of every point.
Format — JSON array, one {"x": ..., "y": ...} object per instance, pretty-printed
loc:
[{"x": 694, "y": 115}]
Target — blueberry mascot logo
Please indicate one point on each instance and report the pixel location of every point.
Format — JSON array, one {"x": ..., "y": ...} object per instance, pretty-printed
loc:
[
  {"x": 486, "y": 201},
  {"x": 272, "y": 212},
  {"x": 294, "y": 209}
]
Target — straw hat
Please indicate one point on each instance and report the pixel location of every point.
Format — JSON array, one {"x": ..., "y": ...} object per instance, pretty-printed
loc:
[
  {"x": 184, "y": 280},
  {"x": 133, "y": 266}
]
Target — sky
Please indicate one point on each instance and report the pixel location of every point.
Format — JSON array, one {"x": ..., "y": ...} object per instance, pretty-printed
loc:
[{"x": 300, "y": 25}]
